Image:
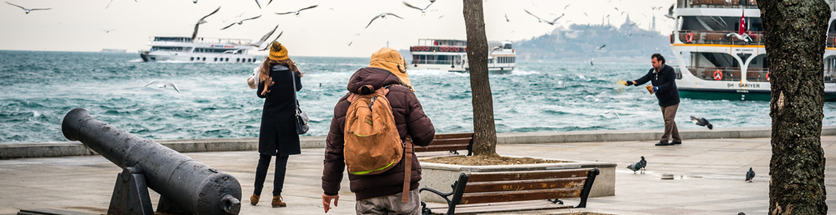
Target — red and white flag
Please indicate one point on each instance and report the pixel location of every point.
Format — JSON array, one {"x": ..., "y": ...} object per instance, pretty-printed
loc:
[{"x": 742, "y": 24}]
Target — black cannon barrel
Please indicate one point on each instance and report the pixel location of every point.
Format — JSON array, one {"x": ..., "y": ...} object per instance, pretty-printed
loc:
[{"x": 192, "y": 185}]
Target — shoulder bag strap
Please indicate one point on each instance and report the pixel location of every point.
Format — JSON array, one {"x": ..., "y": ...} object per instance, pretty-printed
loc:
[
  {"x": 293, "y": 80},
  {"x": 407, "y": 172}
]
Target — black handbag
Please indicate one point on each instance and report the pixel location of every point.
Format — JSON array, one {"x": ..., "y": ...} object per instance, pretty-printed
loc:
[{"x": 301, "y": 117}]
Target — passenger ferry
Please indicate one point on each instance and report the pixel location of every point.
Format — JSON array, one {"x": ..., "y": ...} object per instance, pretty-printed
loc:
[
  {"x": 451, "y": 55},
  {"x": 202, "y": 50},
  {"x": 722, "y": 66}
]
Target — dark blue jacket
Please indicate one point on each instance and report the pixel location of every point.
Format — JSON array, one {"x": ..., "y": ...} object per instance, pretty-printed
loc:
[{"x": 667, "y": 94}]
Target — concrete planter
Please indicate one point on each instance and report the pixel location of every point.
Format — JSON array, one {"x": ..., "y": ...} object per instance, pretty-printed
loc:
[{"x": 441, "y": 176}]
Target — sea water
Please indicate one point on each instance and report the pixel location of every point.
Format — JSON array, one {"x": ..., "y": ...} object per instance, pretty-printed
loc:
[{"x": 38, "y": 88}]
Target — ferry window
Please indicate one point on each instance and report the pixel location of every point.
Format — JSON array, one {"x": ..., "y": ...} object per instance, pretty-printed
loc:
[
  {"x": 170, "y": 49},
  {"x": 832, "y": 29},
  {"x": 507, "y": 46},
  {"x": 719, "y": 23}
]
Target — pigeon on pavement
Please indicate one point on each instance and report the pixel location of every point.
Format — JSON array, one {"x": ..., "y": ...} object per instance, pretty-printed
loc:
[
  {"x": 750, "y": 175},
  {"x": 638, "y": 166}
]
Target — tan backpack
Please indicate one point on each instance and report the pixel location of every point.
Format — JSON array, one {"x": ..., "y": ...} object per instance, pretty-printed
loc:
[{"x": 372, "y": 142}]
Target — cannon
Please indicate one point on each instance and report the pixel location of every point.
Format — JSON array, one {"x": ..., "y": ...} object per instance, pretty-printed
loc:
[{"x": 185, "y": 185}]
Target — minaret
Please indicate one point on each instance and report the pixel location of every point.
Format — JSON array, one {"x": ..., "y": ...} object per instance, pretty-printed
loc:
[{"x": 653, "y": 25}]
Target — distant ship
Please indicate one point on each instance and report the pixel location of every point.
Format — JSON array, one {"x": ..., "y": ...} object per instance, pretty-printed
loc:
[
  {"x": 202, "y": 50},
  {"x": 720, "y": 65},
  {"x": 451, "y": 55},
  {"x": 114, "y": 50}
]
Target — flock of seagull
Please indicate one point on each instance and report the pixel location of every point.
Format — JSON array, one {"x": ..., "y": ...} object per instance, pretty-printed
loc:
[{"x": 263, "y": 43}]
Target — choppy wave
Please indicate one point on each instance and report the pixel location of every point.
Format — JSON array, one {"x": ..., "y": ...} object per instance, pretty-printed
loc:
[{"x": 39, "y": 88}]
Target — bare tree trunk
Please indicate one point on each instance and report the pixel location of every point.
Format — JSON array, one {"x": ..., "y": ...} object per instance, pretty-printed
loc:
[
  {"x": 484, "y": 138},
  {"x": 795, "y": 33}
]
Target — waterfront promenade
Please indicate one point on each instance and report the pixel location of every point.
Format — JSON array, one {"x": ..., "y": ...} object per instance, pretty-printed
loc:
[{"x": 709, "y": 178}]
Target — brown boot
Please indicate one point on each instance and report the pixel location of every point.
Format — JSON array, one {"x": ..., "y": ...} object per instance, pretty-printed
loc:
[
  {"x": 254, "y": 199},
  {"x": 277, "y": 202}
]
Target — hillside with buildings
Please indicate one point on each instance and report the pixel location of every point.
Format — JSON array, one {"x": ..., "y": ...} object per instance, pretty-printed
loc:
[{"x": 627, "y": 42}]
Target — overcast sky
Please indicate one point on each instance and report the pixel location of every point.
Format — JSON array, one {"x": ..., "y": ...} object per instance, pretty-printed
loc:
[{"x": 79, "y": 25}]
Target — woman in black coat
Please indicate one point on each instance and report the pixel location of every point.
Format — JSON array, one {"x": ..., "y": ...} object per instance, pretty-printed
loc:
[{"x": 278, "y": 135}]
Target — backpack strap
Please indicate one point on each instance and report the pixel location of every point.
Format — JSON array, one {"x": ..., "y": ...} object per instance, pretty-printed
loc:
[{"x": 407, "y": 172}]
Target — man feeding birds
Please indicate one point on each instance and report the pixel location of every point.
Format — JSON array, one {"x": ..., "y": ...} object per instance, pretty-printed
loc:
[{"x": 662, "y": 78}]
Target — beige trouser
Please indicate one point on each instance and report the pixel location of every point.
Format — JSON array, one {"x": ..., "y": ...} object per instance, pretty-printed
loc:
[
  {"x": 669, "y": 113},
  {"x": 390, "y": 204}
]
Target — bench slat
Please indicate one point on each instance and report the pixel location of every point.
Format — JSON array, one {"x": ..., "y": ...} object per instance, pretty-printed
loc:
[
  {"x": 432, "y": 148},
  {"x": 527, "y": 175},
  {"x": 450, "y": 141},
  {"x": 453, "y": 135},
  {"x": 497, "y": 186},
  {"x": 498, "y": 207},
  {"x": 507, "y": 196}
]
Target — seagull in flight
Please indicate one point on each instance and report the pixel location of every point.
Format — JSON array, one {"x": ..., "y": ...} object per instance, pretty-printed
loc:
[
  {"x": 160, "y": 84},
  {"x": 259, "y": 5},
  {"x": 542, "y": 20},
  {"x": 492, "y": 50},
  {"x": 742, "y": 37},
  {"x": 424, "y": 10},
  {"x": 240, "y": 22},
  {"x": 261, "y": 42},
  {"x": 27, "y": 10},
  {"x": 506, "y": 18},
  {"x": 382, "y": 15},
  {"x": 297, "y": 11},
  {"x": 670, "y": 13},
  {"x": 108, "y": 30},
  {"x": 201, "y": 21},
  {"x": 605, "y": 45},
  {"x": 612, "y": 111}
]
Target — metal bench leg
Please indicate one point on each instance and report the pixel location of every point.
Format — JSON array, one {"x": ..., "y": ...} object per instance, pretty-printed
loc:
[{"x": 587, "y": 186}]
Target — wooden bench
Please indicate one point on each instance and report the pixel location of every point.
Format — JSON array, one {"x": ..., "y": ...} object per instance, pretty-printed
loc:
[
  {"x": 449, "y": 142},
  {"x": 476, "y": 191}
]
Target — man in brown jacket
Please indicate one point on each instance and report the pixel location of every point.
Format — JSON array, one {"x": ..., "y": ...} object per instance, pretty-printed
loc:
[{"x": 381, "y": 193}]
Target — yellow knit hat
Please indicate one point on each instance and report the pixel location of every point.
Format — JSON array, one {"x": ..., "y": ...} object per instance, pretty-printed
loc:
[
  {"x": 277, "y": 51},
  {"x": 390, "y": 59}
]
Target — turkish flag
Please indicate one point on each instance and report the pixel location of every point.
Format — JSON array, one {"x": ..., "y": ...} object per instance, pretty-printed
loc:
[{"x": 742, "y": 24}]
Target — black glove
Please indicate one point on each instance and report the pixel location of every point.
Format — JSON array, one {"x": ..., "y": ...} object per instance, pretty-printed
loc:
[{"x": 629, "y": 83}]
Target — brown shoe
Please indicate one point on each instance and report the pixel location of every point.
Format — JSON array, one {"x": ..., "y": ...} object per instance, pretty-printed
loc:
[
  {"x": 254, "y": 199},
  {"x": 277, "y": 202}
]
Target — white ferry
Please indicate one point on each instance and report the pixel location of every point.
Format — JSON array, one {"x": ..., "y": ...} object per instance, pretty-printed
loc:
[
  {"x": 203, "y": 50},
  {"x": 451, "y": 55},
  {"x": 722, "y": 66}
]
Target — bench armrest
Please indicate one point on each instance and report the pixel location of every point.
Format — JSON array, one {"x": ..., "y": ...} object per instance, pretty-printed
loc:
[
  {"x": 458, "y": 191},
  {"x": 587, "y": 186}
]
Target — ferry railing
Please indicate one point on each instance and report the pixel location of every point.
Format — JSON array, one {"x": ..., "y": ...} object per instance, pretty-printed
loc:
[
  {"x": 442, "y": 62},
  {"x": 748, "y": 4},
  {"x": 734, "y": 74},
  {"x": 202, "y": 40},
  {"x": 709, "y": 73},
  {"x": 831, "y": 40},
  {"x": 718, "y": 37}
]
